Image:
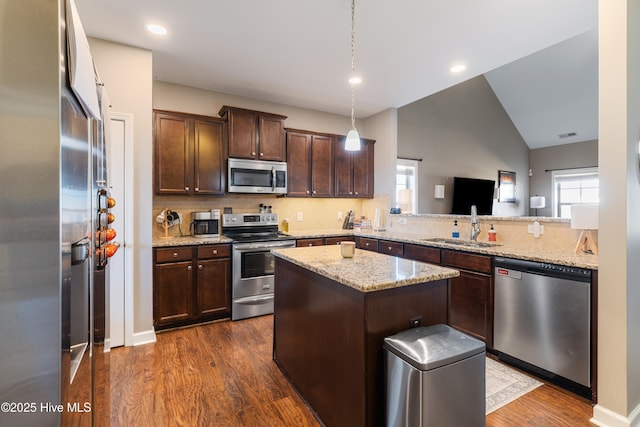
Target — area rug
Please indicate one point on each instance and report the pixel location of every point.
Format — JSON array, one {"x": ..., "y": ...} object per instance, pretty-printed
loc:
[{"x": 504, "y": 384}]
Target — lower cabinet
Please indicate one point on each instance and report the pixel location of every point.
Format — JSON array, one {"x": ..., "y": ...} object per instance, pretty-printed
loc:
[
  {"x": 471, "y": 294},
  {"x": 367, "y": 243},
  {"x": 191, "y": 284}
]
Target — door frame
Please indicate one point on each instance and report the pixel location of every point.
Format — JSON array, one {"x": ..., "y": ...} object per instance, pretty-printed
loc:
[{"x": 127, "y": 242}]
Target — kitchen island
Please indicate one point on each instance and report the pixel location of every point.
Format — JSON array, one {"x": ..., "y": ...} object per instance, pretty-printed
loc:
[{"x": 331, "y": 315}]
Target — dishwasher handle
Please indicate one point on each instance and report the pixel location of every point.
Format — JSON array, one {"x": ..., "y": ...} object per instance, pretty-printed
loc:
[{"x": 545, "y": 269}]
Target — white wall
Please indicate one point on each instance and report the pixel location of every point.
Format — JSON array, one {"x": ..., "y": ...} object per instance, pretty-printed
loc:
[
  {"x": 173, "y": 97},
  {"x": 462, "y": 131},
  {"x": 619, "y": 233},
  {"x": 384, "y": 126},
  {"x": 127, "y": 75}
]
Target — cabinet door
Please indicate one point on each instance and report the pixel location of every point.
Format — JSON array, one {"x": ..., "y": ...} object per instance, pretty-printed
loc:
[
  {"x": 336, "y": 240},
  {"x": 298, "y": 164},
  {"x": 172, "y": 158},
  {"x": 208, "y": 157},
  {"x": 390, "y": 248},
  {"x": 242, "y": 134},
  {"x": 271, "y": 141},
  {"x": 172, "y": 293},
  {"x": 213, "y": 283},
  {"x": 363, "y": 171},
  {"x": 343, "y": 169},
  {"x": 367, "y": 243},
  {"x": 322, "y": 166},
  {"x": 470, "y": 305}
]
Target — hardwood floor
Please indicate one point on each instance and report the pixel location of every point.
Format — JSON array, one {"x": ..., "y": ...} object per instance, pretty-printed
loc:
[{"x": 222, "y": 374}]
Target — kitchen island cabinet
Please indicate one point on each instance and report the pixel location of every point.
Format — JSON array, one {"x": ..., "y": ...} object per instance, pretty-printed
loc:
[{"x": 330, "y": 321}]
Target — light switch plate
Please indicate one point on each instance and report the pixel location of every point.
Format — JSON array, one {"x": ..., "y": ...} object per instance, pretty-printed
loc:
[{"x": 299, "y": 216}]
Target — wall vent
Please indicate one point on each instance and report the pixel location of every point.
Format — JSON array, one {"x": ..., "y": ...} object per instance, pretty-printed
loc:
[{"x": 567, "y": 135}]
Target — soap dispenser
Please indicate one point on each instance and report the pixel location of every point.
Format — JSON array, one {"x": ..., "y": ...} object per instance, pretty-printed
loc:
[
  {"x": 492, "y": 234},
  {"x": 455, "y": 233}
]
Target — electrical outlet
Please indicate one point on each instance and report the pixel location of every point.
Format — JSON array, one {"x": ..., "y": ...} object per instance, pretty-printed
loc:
[
  {"x": 299, "y": 216},
  {"x": 416, "y": 321},
  {"x": 340, "y": 216}
]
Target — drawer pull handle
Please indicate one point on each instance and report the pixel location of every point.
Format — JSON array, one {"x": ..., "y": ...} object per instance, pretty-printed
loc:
[
  {"x": 215, "y": 252},
  {"x": 189, "y": 268},
  {"x": 175, "y": 254},
  {"x": 199, "y": 266},
  {"x": 310, "y": 244},
  {"x": 389, "y": 247}
]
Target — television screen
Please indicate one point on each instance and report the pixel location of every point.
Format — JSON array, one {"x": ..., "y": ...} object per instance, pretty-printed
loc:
[{"x": 471, "y": 191}]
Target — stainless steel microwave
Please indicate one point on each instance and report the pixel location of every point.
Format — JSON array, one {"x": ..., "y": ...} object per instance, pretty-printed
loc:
[{"x": 257, "y": 176}]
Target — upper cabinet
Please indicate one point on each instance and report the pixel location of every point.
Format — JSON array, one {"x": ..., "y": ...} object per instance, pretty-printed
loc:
[
  {"x": 188, "y": 154},
  {"x": 309, "y": 164},
  {"x": 354, "y": 170},
  {"x": 254, "y": 134}
]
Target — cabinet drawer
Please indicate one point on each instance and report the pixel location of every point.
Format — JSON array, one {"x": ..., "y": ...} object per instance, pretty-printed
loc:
[
  {"x": 174, "y": 254},
  {"x": 390, "y": 248},
  {"x": 337, "y": 240},
  {"x": 467, "y": 261},
  {"x": 310, "y": 242},
  {"x": 422, "y": 253},
  {"x": 366, "y": 243},
  {"x": 214, "y": 251}
]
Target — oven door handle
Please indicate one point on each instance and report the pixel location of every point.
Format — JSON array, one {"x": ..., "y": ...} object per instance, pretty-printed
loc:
[
  {"x": 254, "y": 300},
  {"x": 273, "y": 178}
]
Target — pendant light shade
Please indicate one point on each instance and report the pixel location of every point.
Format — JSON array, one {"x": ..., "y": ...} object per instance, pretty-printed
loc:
[{"x": 352, "y": 143}]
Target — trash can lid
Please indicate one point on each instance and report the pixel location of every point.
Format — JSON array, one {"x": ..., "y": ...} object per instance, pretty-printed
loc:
[{"x": 430, "y": 347}]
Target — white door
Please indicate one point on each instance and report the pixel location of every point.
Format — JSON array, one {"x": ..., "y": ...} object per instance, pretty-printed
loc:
[{"x": 119, "y": 152}]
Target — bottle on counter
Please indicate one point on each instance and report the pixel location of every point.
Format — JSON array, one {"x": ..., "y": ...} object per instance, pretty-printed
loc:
[
  {"x": 285, "y": 225},
  {"x": 455, "y": 233},
  {"x": 492, "y": 234}
]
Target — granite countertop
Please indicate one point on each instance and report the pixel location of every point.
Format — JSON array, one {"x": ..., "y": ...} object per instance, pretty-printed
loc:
[
  {"x": 367, "y": 271},
  {"x": 531, "y": 253},
  {"x": 188, "y": 241}
]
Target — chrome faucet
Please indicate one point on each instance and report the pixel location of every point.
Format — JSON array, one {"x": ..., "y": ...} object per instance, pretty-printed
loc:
[{"x": 475, "y": 223}]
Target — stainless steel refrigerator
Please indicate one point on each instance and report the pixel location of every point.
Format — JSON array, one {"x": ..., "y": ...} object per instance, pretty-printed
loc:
[{"x": 53, "y": 364}]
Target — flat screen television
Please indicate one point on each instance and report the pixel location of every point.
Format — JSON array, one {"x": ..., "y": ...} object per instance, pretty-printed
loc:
[{"x": 472, "y": 191}]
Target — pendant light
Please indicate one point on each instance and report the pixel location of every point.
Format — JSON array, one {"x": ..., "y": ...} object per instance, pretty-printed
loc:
[{"x": 352, "y": 142}]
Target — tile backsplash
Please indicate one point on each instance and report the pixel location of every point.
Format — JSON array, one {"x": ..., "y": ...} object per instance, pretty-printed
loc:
[{"x": 316, "y": 214}]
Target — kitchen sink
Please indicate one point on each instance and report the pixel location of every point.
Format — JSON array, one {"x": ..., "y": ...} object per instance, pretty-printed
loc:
[{"x": 458, "y": 242}]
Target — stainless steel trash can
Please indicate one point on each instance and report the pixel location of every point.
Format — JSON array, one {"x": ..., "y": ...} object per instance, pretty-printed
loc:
[{"x": 435, "y": 376}]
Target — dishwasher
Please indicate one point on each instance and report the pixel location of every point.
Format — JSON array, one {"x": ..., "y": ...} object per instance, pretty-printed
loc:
[{"x": 542, "y": 317}]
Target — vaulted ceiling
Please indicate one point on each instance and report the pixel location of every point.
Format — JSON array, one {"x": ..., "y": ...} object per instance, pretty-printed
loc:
[{"x": 298, "y": 52}]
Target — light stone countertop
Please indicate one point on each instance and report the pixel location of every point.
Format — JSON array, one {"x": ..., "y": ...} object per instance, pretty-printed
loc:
[
  {"x": 530, "y": 253},
  {"x": 189, "y": 240},
  {"x": 367, "y": 271}
]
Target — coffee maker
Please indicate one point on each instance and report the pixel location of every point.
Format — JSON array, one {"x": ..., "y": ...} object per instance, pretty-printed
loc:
[{"x": 206, "y": 224}]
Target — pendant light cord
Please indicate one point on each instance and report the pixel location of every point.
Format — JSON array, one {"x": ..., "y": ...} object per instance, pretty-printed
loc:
[{"x": 353, "y": 63}]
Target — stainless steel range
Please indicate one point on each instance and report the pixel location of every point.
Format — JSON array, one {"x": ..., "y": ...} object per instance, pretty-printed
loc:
[{"x": 253, "y": 265}]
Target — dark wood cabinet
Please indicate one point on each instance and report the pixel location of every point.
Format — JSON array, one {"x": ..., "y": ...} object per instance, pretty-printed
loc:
[
  {"x": 337, "y": 239},
  {"x": 191, "y": 284},
  {"x": 254, "y": 134},
  {"x": 188, "y": 154},
  {"x": 319, "y": 241},
  {"x": 354, "y": 170},
  {"x": 309, "y": 164},
  {"x": 471, "y": 294},
  {"x": 422, "y": 253},
  {"x": 391, "y": 248},
  {"x": 367, "y": 243}
]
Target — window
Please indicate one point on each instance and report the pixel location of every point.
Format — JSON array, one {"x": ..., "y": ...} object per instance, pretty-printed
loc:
[
  {"x": 574, "y": 187},
  {"x": 407, "y": 185}
]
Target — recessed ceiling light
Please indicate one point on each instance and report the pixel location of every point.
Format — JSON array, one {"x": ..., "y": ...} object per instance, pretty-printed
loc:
[
  {"x": 354, "y": 80},
  {"x": 458, "y": 68},
  {"x": 157, "y": 29}
]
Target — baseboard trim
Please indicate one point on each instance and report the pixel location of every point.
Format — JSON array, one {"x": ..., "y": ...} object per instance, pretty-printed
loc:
[
  {"x": 607, "y": 418},
  {"x": 144, "y": 337}
]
